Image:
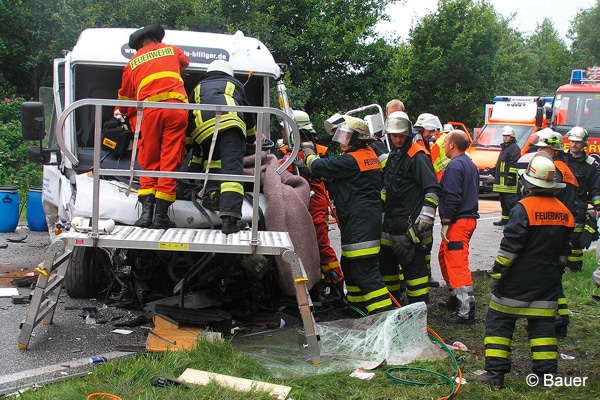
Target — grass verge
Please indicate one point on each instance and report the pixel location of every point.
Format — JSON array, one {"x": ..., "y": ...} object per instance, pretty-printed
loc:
[{"x": 131, "y": 378}]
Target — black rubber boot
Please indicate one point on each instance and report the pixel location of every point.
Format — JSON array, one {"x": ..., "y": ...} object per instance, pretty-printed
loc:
[
  {"x": 161, "y": 219},
  {"x": 494, "y": 378},
  {"x": 230, "y": 225},
  {"x": 147, "y": 202}
]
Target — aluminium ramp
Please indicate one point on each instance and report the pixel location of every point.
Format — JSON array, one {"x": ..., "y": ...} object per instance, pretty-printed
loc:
[{"x": 52, "y": 273}]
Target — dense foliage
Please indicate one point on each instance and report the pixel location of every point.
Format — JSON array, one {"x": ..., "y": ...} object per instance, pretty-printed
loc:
[
  {"x": 14, "y": 169},
  {"x": 456, "y": 59}
]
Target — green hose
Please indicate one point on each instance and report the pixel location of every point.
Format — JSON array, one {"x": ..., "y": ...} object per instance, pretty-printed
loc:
[{"x": 445, "y": 378}]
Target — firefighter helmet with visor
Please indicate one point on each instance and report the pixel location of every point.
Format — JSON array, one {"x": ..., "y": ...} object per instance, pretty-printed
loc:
[
  {"x": 549, "y": 138},
  {"x": 398, "y": 124},
  {"x": 351, "y": 131}
]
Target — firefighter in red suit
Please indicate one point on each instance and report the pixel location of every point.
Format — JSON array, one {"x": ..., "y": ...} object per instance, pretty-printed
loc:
[
  {"x": 318, "y": 205},
  {"x": 154, "y": 74},
  {"x": 525, "y": 279}
]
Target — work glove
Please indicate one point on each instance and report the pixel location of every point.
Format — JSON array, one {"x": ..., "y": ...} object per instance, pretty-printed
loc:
[
  {"x": 424, "y": 221},
  {"x": 495, "y": 285},
  {"x": 303, "y": 169},
  {"x": 308, "y": 148},
  {"x": 117, "y": 114},
  {"x": 404, "y": 250},
  {"x": 445, "y": 232}
]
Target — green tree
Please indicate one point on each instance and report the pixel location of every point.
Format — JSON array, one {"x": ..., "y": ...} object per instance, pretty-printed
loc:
[
  {"x": 550, "y": 57},
  {"x": 453, "y": 62},
  {"x": 585, "y": 37}
]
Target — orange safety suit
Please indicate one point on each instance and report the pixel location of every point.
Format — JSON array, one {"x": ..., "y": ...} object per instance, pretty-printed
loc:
[
  {"x": 319, "y": 211},
  {"x": 154, "y": 74}
]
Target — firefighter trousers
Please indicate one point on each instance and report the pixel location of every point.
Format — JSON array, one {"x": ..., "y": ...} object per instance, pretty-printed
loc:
[
  {"x": 161, "y": 147},
  {"x": 413, "y": 276},
  {"x": 507, "y": 201},
  {"x": 499, "y": 329},
  {"x": 319, "y": 211},
  {"x": 453, "y": 255},
  {"x": 228, "y": 158},
  {"x": 366, "y": 289}
]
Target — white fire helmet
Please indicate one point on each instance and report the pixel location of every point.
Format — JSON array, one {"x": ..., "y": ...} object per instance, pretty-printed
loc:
[
  {"x": 397, "y": 123},
  {"x": 508, "y": 131},
  {"x": 540, "y": 173},
  {"x": 429, "y": 122},
  {"x": 577, "y": 134}
]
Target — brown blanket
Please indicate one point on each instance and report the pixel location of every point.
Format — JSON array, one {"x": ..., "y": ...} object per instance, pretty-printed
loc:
[{"x": 288, "y": 196}]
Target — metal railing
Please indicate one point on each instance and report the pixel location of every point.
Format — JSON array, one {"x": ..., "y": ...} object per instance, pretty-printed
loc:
[{"x": 98, "y": 104}]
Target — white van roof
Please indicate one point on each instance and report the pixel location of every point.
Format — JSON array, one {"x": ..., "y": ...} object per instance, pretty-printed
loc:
[{"x": 110, "y": 46}]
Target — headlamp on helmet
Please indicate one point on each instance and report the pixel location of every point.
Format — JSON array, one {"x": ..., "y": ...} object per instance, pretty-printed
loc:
[{"x": 549, "y": 138}]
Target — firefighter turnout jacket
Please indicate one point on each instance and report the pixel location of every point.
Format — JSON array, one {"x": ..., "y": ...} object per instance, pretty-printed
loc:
[
  {"x": 585, "y": 168},
  {"x": 409, "y": 185},
  {"x": 526, "y": 282},
  {"x": 505, "y": 176},
  {"x": 358, "y": 206},
  {"x": 154, "y": 74},
  {"x": 527, "y": 264},
  {"x": 221, "y": 89}
]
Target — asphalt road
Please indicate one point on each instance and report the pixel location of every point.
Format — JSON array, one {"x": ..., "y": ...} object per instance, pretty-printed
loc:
[{"x": 65, "y": 347}]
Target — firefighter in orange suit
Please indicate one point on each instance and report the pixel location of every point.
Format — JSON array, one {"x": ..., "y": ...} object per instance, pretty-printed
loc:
[
  {"x": 318, "y": 205},
  {"x": 358, "y": 205},
  {"x": 552, "y": 144},
  {"x": 525, "y": 278},
  {"x": 459, "y": 213},
  {"x": 154, "y": 74}
]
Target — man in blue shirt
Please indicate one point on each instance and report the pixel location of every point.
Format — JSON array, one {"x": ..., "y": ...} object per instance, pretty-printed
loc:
[{"x": 458, "y": 211}]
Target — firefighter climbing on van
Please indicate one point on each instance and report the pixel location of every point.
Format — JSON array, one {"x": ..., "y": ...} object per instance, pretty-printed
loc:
[
  {"x": 525, "y": 278},
  {"x": 411, "y": 199},
  {"x": 551, "y": 143},
  {"x": 219, "y": 86},
  {"x": 585, "y": 169},
  {"x": 331, "y": 286},
  {"x": 506, "y": 175},
  {"x": 154, "y": 74},
  {"x": 358, "y": 206}
]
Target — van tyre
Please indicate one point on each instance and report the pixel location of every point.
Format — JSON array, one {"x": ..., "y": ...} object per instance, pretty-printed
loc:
[{"x": 86, "y": 274}]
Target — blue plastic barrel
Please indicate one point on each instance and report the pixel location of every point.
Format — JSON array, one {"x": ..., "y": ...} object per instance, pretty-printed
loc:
[
  {"x": 36, "y": 219},
  {"x": 9, "y": 208}
]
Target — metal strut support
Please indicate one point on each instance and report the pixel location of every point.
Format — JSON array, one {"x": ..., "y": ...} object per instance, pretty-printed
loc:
[
  {"x": 47, "y": 289},
  {"x": 304, "y": 305}
]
